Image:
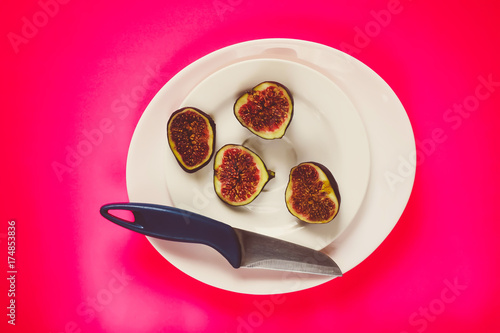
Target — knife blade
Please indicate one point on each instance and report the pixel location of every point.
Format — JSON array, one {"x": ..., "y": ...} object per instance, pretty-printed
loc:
[{"x": 241, "y": 248}]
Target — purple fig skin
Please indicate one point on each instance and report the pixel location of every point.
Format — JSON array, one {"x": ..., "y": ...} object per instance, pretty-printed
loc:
[{"x": 331, "y": 179}]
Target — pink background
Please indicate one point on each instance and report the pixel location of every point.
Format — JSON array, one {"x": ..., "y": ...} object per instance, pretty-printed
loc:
[{"x": 436, "y": 272}]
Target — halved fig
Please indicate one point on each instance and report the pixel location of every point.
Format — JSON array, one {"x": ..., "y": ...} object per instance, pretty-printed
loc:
[
  {"x": 191, "y": 137},
  {"x": 266, "y": 110},
  {"x": 239, "y": 175},
  {"x": 312, "y": 194}
]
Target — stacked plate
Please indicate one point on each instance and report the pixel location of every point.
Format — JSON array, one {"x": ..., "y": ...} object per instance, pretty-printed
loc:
[{"x": 345, "y": 117}]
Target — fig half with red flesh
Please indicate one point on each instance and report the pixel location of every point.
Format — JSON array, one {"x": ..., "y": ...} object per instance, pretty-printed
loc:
[
  {"x": 191, "y": 137},
  {"x": 266, "y": 110},
  {"x": 312, "y": 194},
  {"x": 239, "y": 175}
]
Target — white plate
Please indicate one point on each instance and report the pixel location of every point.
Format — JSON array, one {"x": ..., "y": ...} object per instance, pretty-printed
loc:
[
  {"x": 325, "y": 128},
  {"x": 391, "y": 143}
]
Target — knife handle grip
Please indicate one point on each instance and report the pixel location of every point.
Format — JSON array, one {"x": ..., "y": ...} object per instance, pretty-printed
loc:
[{"x": 176, "y": 224}]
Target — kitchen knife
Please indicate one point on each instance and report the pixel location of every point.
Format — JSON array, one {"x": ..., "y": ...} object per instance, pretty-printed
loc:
[{"x": 241, "y": 248}]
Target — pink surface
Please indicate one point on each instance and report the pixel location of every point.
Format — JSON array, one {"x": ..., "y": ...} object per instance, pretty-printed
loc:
[{"x": 77, "y": 75}]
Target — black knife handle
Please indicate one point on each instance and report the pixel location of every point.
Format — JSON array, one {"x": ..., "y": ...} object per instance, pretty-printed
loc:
[{"x": 176, "y": 224}]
